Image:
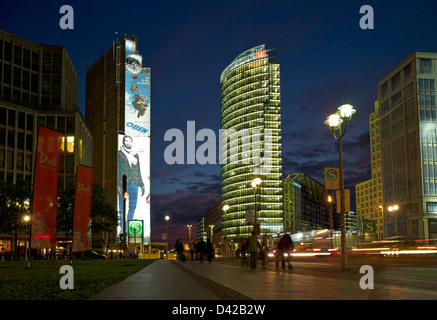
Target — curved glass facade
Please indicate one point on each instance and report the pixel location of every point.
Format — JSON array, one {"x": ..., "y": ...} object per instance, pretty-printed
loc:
[{"x": 251, "y": 143}]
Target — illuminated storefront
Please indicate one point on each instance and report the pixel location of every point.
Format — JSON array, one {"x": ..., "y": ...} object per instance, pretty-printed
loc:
[{"x": 250, "y": 101}]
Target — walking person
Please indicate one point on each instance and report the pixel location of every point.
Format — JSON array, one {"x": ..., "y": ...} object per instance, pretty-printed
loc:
[
  {"x": 264, "y": 248},
  {"x": 201, "y": 250},
  {"x": 244, "y": 248},
  {"x": 253, "y": 249},
  {"x": 209, "y": 250},
  {"x": 283, "y": 248}
]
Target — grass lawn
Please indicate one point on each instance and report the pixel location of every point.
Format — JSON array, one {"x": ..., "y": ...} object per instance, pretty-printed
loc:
[{"x": 41, "y": 281}]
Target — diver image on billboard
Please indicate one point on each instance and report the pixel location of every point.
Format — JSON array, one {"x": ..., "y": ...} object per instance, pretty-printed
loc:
[
  {"x": 137, "y": 94},
  {"x": 134, "y": 162}
]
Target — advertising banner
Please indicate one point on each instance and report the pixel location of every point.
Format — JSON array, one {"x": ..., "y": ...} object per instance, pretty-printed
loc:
[
  {"x": 82, "y": 207},
  {"x": 137, "y": 94},
  {"x": 134, "y": 162},
  {"x": 347, "y": 200},
  {"x": 45, "y": 190},
  {"x": 135, "y": 230}
]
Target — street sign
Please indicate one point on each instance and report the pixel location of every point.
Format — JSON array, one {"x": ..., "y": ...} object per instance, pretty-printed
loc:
[
  {"x": 347, "y": 201},
  {"x": 332, "y": 178},
  {"x": 369, "y": 226}
]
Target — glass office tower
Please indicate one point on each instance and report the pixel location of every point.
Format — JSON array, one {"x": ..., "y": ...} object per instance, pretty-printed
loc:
[{"x": 250, "y": 142}]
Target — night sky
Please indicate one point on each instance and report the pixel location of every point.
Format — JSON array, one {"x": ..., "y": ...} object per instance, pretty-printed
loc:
[{"x": 326, "y": 60}]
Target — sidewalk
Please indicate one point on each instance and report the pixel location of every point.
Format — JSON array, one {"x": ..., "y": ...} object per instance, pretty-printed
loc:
[
  {"x": 161, "y": 280},
  {"x": 171, "y": 280}
]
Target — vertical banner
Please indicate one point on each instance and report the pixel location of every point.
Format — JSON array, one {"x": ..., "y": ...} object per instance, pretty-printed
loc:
[
  {"x": 82, "y": 207},
  {"x": 347, "y": 201},
  {"x": 45, "y": 190}
]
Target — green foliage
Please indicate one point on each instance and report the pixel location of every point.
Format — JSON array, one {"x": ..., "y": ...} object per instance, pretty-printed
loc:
[
  {"x": 14, "y": 204},
  {"x": 103, "y": 216},
  {"x": 41, "y": 281}
]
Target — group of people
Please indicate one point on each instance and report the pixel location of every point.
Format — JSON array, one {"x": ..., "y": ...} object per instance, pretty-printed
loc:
[
  {"x": 202, "y": 249},
  {"x": 253, "y": 246}
]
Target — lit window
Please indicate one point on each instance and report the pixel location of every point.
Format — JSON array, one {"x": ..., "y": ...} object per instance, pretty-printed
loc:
[{"x": 70, "y": 144}]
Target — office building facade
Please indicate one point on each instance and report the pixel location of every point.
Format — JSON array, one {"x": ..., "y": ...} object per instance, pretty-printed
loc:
[
  {"x": 369, "y": 194},
  {"x": 251, "y": 143},
  {"x": 409, "y": 146},
  {"x": 38, "y": 87}
]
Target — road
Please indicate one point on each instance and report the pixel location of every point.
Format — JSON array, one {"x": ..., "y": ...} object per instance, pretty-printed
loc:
[{"x": 405, "y": 272}]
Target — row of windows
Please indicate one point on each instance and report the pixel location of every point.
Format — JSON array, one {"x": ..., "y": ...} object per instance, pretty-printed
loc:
[{"x": 22, "y": 56}]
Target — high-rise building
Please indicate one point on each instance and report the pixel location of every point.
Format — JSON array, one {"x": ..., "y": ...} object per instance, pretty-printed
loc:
[
  {"x": 118, "y": 111},
  {"x": 369, "y": 196},
  {"x": 251, "y": 145},
  {"x": 408, "y": 132},
  {"x": 38, "y": 87}
]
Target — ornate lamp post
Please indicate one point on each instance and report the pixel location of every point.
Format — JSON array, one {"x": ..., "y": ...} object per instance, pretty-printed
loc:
[
  {"x": 27, "y": 218},
  {"x": 334, "y": 121},
  {"x": 225, "y": 209},
  {"x": 166, "y": 219},
  {"x": 255, "y": 183}
]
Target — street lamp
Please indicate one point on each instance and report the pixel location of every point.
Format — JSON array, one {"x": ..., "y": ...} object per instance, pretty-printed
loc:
[
  {"x": 255, "y": 183},
  {"x": 331, "y": 224},
  {"x": 393, "y": 209},
  {"x": 27, "y": 218},
  {"x": 334, "y": 121},
  {"x": 212, "y": 227},
  {"x": 189, "y": 226},
  {"x": 166, "y": 219},
  {"x": 382, "y": 218},
  {"x": 225, "y": 209}
]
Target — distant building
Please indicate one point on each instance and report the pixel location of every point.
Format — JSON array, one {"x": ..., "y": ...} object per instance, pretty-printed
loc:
[
  {"x": 306, "y": 205},
  {"x": 201, "y": 232},
  {"x": 368, "y": 194}
]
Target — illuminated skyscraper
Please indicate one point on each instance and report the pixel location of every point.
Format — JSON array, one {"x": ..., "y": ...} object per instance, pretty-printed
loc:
[
  {"x": 251, "y": 143},
  {"x": 118, "y": 111}
]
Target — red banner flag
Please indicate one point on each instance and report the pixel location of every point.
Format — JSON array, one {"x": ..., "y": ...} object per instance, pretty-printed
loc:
[
  {"x": 82, "y": 207},
  {"x": 45, "y": 190}
]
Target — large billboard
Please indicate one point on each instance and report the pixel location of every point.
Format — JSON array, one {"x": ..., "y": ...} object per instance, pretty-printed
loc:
[
  {"x": 134, "y": 162},
  {"x": 137, "y": 93}
]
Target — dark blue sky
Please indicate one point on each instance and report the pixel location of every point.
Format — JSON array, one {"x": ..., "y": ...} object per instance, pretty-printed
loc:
[{"x": 326, "y": 60}]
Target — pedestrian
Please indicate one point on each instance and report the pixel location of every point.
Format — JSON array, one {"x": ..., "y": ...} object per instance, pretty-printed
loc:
[
  {"x": 243, "y": 254},
  {"x": 284, "y": 246},
  {"x": 209, "y": 250},
  {"x": 253, "y": 246},
  {"x": 201, "y": 250},
  {"x": 191, "y": 250},
  {"x": 264, "y": 248}
]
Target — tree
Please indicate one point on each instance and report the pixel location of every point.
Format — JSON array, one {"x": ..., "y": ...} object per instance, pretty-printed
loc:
[
  {"x": 65, "y": 212},
  {"x": 14, "y": 205},
  {"x": 104, "y": 217}
]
